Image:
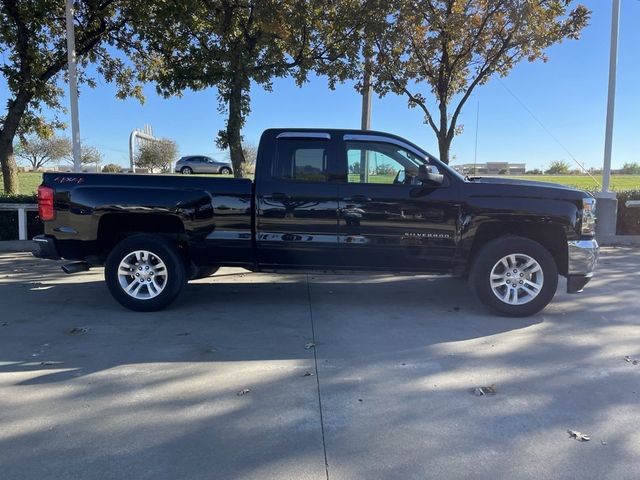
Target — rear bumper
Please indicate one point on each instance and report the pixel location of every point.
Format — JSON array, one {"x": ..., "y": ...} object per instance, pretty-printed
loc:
[
  {"x": 46, "y": 247},
  {"x": 583, "y": 257}
]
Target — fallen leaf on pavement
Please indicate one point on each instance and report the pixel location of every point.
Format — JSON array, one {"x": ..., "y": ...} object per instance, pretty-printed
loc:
[
  {"x": 244, "y": 391},
  {"x": 309, "y": 345},
  {"x": 183, "y": 334},
  {"x": 631, "y": 360},
  {"x": 78, "y": 331},
  {"x": 480, "y": 391},
  {"x": 581, "y": 437},
  {"x": 308, "y": 374}
]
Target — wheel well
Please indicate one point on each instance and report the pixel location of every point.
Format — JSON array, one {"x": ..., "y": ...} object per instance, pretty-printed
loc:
[
  {"x": 115, "y": 227},
  {"x": 550, "y": 236}
]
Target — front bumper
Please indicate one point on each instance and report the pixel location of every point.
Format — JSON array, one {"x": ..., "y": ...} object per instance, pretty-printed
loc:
[
  {"x": 583, "y": 256},
  {"x": 46, "y": 247}
]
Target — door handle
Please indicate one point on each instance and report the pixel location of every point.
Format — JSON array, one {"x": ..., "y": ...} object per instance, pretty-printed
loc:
[
  {"x": 357, "y": 199},
  {"x": 279, "y": 196}
]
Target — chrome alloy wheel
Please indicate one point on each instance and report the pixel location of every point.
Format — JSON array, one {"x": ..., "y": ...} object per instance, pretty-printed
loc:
[
  {"x": 516, "y": 279},
  {"x": 142, "y": 275}
]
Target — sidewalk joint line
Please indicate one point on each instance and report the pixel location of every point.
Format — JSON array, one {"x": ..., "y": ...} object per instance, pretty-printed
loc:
[{"x": 315, "y": 360}]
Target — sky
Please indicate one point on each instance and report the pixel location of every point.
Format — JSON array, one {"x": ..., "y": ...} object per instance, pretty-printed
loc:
[{"x": 567, "y": 95}]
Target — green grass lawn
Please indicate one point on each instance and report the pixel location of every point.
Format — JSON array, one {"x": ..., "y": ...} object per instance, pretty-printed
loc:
[
  {"x": 585, "y": 182},
  {"x": 29, "y": 181}
]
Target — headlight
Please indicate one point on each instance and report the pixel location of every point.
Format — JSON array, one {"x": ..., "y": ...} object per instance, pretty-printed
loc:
[{"x": 588, "y": 216}]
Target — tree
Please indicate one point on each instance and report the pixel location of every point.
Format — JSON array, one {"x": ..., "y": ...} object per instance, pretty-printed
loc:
[
  {"x": 111, "y": 168},
  {"x": 558, "y": 167},
  {"x": 630, "y": 169},
  {"x": 37, "y": 151},
  {"x": 230, "y": 44},
  {"x": 444, "y": 49},
  {"x": 250, "y": 154},
  {"x": 158, "y": 155},
  {"x": 32, "y": 39},
  {"x": 89, "y": 155}
]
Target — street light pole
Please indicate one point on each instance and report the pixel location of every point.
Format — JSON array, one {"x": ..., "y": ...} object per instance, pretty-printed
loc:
[
  {"x": 607, "y": 207},
  {"x": 475, "y": 152},
  {"x": 73, "y": 86},
  {"x": 611, "y": 98}
]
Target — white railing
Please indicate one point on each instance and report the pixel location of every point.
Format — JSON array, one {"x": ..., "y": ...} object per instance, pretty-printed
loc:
[
  {"x": 632, "y": 203},
  {"x": 22, "y": 209}
]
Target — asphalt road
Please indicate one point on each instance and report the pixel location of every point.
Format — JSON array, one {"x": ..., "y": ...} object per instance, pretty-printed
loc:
[{"x": 89, "y": 390}]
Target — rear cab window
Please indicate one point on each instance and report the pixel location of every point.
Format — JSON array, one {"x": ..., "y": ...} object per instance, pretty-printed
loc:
[{"x": 302, "y": 158}]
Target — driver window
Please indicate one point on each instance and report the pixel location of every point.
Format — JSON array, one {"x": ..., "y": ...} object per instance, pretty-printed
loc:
[{"x": 379, "y": 163}]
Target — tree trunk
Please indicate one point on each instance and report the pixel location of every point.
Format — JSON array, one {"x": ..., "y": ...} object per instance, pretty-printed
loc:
[
  {"x": 444, "y": 144},
  {"x": 15, "y": 110},
  {"x": 234, "y": 126},
  {"x": 9, "y": 168}
]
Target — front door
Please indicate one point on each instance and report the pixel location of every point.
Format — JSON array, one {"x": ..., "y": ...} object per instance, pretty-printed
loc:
[
  {"x": 388, "y": 219},
  {"x": 297, "y": 219}
]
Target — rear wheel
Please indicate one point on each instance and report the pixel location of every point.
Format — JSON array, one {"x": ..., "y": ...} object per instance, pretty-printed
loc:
[
  {"x": 186, "y": 170},
  {"x": 145, "y": 273},
  {"x": 514, "y": 276},
  {"x": 225, "y": 170}
]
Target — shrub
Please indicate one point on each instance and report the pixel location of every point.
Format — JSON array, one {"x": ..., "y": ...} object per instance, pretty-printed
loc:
[
  {"x": 111, "y": 168},
  {"x": 628, "y": 218},
  {"x": 9, "y": 219},
  {"x": 558, "y": 167},
  {"x": 630, "y": 169}
]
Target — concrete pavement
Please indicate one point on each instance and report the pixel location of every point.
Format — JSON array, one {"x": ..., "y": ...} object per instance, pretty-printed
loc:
[{"x": 385, "y": 393}]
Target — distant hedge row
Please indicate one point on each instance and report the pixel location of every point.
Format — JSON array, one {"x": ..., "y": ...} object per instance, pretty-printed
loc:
[{"x": 628, "y": 218}]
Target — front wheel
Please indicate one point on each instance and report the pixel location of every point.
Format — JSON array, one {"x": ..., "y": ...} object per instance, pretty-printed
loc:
[
  {"x": 514, "y": 276},
  {"x": 145, "y": 273}
]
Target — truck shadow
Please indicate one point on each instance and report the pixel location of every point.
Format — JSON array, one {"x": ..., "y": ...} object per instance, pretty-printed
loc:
[{"x": 68, "y": 327}]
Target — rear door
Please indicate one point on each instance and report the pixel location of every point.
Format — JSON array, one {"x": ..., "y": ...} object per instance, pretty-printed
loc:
[
  {"x": 297, "y": 202},
  {"x": 388, "y": 219}
]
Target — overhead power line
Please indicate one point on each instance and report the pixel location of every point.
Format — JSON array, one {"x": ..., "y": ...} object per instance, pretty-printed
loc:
[{"x": 549, "y": 132}]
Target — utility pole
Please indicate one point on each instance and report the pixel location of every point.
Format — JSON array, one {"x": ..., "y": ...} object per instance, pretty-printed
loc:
[
  {"x": 73, "y": 87},
  {"x": 607, "y": 207},
  {"x": 365, "y": 123}
]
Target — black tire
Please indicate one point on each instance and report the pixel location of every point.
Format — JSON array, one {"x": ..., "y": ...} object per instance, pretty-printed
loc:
[
  {"x": 186, "y": 170},
  {"x": 161, "y": 250},
  {"x": 225, "y": 170},
  {"x": 202, "y": 272},
  {"x": 491, "y": 254}
]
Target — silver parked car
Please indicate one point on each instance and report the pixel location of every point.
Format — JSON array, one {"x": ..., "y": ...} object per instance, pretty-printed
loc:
[{"x": 201, "y": 164}]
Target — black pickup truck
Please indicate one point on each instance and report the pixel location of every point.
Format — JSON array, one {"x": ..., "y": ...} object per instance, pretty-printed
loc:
[{"x": 323, "y": 200}]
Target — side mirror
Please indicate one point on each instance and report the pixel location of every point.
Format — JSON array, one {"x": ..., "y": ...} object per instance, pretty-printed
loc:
[{"x": 430, "y": 174}]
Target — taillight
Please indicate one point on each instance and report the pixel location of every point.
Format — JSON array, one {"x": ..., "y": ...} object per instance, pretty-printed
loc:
[{"x": 45, "y": 203}]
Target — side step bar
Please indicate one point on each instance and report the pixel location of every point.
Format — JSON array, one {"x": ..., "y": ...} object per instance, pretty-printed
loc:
[{"x": 75, "y": 267}]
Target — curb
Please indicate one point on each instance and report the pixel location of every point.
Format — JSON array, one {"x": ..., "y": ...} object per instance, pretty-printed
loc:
[
  {"x": 16, "y": 246},
  {"x": 618, "y": 240}
]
